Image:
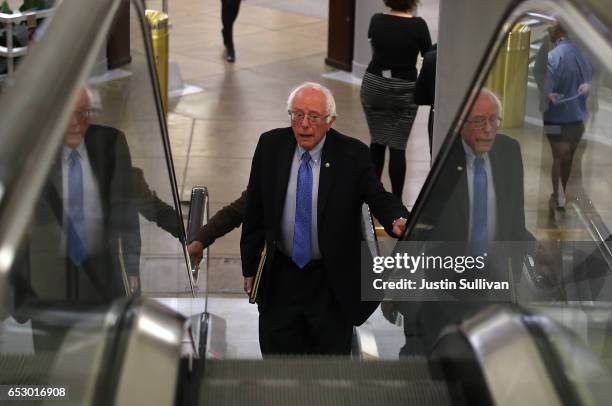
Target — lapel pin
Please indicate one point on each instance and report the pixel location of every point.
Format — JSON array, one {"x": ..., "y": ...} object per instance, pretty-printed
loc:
[
  {"x": 327, "y": 165},
  {"x": 460, "y": 168}
]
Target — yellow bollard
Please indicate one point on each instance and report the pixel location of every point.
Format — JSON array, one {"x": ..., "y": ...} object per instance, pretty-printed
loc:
[
  {"x": 158, "y": 22},
  {"x": 508, "y": 77}
]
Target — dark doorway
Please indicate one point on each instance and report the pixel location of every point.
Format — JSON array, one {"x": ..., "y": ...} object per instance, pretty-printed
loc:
[{"x": 340, "y": 34}]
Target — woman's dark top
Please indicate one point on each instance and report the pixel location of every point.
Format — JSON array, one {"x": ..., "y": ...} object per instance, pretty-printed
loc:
[{"x": 396, "y": 43}]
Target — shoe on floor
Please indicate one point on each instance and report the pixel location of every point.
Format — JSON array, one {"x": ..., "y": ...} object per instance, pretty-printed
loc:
[{"x": 556, "y": 202}]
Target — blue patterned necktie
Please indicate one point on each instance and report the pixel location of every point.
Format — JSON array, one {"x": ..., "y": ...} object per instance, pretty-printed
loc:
[
  {"x": 303, "y": 214},
  {"x": 76, "y": 216},
  {"x": 479, "y": 213}
]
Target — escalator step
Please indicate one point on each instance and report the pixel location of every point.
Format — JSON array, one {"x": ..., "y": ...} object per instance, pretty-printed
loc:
[
  {"x": 323, "y": 393},
  {"x": 410, "y": 368},
  {"x": 25, "y": 369}
]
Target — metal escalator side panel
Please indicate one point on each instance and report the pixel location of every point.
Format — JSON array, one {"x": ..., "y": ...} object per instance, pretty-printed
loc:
[
  {"x": 211, "y": 340},
  {"x": 509, "y": 358},
  {"x": 580, "y": 374},
  {"x": 85, "y": 361},
  {"x": 149, "y": 369}
]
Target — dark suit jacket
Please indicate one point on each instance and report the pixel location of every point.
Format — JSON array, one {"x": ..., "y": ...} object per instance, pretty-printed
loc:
[
  {"x": 347, "y": 180},
  {"x": 152, "y": 207},
  {"x": 224, "y": 221},
  {"x": 445, "y": 217},
  {"x": 425, "y": 86},
  {"x": 447, "y": 210},
  {"x": 104, "y": 274}
]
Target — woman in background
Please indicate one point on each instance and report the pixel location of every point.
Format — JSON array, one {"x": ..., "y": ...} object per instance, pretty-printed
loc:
[
  {"x": 567, "y": 84},
  {"x": 387, "y": 91}
]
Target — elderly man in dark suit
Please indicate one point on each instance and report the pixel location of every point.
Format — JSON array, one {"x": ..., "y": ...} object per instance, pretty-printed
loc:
[
  {"x": 84, "y": 243},
  {"x": 481, "y": 181},
  {"x": 304, "y": 197},
  {"x": 477, "y": 198}
]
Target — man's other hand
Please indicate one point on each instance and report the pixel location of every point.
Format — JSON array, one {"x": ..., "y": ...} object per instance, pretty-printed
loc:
[
  {"x": 248, "y": 285},
  {"x": 399, "y": 227},
  {"x": 554, "y": 97},
  {"x": 196, "y": 251},
  {"x": 133, "y": 284},
  {"x": 584, "y": 88}
]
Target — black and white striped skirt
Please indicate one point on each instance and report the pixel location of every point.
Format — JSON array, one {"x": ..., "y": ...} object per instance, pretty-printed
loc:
[{"x": 390, "y": 110}]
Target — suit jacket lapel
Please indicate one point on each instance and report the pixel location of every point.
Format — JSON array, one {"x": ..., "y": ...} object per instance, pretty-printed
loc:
[
  {"x": 55, "y": 177},
  {"x": 101, "y": 159},
  {"x": 55, "y": 189},
  {"x": 458, "y": 181},
  {"x": 326, "y": 174},
  {"x": 285, "y": 151}
]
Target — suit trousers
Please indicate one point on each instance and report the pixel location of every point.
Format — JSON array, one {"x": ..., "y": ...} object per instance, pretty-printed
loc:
[{"x": 302, "y": 316}]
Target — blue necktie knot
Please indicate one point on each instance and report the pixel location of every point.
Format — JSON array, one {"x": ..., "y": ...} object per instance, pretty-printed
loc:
[{"x": 302, "y": 232}]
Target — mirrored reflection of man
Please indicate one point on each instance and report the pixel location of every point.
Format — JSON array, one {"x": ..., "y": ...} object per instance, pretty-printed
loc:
[
  {"x": 483, "y": 179},
  {"x": 478, "y": 197},
  {"x": 304, "y": 198},
  {"x": 85, "y": 239}
]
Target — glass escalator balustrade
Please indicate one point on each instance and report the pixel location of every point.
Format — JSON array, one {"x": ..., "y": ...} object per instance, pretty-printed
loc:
[
  {"x": 518, "y": 211},
  {"x": 105, "y": 229}
]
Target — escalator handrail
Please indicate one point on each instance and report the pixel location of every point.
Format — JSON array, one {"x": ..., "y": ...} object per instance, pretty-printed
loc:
[
  {"x": 163, "y": 126},
  {"x": 368, "y": 231},
  {"x": 198, "y": 216},
  {"x": 148, "y": 354},
  {"x": 597, "y": 229},
  {"x": 501, "y": 342}
]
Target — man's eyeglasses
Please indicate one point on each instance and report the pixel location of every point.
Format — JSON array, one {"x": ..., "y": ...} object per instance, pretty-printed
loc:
[
  {"x": 480, "y": 122},
  {"x": 313, "y": 118},
  {"x": 85, "y": 113}
]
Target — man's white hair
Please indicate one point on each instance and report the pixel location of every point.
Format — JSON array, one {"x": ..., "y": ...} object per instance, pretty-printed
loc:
[
  {"x": 495, "y": 98},
  {"x": 330, "y": 103}
]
